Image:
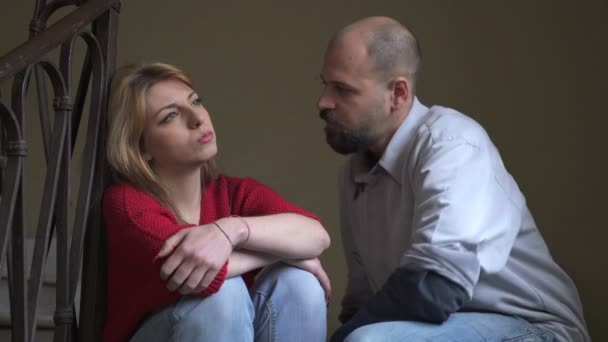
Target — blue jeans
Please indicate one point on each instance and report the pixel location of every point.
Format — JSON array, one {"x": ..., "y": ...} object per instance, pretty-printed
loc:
[
  {"x": 285, "y": 304},
  {"x": 460, "y": 327}
]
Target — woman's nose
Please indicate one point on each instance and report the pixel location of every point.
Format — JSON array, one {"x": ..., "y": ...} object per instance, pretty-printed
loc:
[{"x": 196, "y": 119}]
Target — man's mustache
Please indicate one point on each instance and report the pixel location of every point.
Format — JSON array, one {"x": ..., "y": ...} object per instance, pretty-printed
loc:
[{"x": 328, "y": 115}]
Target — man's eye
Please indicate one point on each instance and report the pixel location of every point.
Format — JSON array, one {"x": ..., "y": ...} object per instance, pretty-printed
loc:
[
  {"x": 343, "y": 90},
  {"x": 169, "y": 117}
]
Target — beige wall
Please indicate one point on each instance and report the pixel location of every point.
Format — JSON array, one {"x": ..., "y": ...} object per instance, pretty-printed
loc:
[{"x": 532, "y": 72}]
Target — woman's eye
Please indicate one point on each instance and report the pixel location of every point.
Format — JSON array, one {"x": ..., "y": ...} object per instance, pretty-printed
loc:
[
  {"x": 197, "y": 102},
  {"x": 169, "y": 117}
]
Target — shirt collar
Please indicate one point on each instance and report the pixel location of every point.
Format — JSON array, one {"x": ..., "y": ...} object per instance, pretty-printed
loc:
[{"x": 395, "y": 151}]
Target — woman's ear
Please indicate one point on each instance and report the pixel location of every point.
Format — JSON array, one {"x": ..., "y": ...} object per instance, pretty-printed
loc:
[{"x": 144, "y": 153}]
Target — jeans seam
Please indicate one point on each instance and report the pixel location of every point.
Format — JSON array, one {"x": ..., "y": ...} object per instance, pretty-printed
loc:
[
  {"x": 271, "y": 314},
  {"x": 529, "y": 334},
  {"x": 174, "y": 319}
]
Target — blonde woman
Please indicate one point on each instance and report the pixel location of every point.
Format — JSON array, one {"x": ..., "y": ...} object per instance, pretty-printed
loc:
[{"x": 195, "y": 256}]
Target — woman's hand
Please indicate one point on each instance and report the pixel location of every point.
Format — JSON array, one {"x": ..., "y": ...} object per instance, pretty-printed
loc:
[
  {"x": 194, "y": 257},
  {"x": 314, "y": 266}
]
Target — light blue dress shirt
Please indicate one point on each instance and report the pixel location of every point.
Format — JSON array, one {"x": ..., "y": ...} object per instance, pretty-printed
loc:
[{"x": 441, "y": 199}]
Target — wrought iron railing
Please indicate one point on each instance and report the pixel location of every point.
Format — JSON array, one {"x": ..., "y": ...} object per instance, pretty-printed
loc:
[{"x": 78, "y": 232}]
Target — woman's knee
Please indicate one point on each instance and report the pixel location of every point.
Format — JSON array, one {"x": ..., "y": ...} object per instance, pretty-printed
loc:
[
  {"x": 230, "y": 303},
  {"x": 300, "y": 285},
  {"x": 289, "y": 300},
  {"x": 197, "y": 318}
]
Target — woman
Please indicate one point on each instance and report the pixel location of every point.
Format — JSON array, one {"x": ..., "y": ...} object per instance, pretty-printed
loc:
[{"x": 184, "y": 244}]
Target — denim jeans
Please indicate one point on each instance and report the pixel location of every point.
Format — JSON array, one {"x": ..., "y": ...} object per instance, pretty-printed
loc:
[
  {"x": 460, "y": 327},
  {"x": 285, "y": 304}
]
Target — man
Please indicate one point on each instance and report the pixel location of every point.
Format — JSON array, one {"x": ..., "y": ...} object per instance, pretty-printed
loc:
[{"x": 438, "y": 239}]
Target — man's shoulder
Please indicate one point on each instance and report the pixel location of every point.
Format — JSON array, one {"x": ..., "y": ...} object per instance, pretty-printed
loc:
[{"x": 448, "y": 124}]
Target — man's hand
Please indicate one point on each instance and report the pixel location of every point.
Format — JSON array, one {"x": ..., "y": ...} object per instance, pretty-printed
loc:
[
  {"x": 408, "y": 295},
  {"x": 314, "y": 266},
  {"x": 360, "y": 319},
  {"x": 194, "y": 257}
]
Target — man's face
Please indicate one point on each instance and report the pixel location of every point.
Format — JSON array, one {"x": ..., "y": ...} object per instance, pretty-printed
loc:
[{"x": 353, "y": 102}]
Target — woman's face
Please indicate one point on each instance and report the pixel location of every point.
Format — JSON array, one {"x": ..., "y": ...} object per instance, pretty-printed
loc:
[{"x": 179, "y": 133}]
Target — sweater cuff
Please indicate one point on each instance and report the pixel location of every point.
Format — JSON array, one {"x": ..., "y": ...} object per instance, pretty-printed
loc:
[{"x": 217, "y": 282}]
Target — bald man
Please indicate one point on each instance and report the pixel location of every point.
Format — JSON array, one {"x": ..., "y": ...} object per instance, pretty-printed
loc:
[{"x": 439, "y": 243}]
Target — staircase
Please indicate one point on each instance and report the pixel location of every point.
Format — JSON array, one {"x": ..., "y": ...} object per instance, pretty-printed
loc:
[{"x": 46, "y": 298}]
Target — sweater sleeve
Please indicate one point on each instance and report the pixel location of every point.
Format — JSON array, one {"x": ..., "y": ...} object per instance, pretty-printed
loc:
[
  {"x": 137, "y": 223},
  {"x": 251, "y": 198}
]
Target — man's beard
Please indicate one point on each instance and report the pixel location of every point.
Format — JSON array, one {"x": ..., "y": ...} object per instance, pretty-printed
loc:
[{"x": 342, "y": 139}]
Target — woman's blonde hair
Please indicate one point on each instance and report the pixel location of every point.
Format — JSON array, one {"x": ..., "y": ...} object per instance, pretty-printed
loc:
[{"x": 127, "y": 117}]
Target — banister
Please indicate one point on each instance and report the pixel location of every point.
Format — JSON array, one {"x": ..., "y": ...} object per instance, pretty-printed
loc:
[{"x": 51, "y": 38}]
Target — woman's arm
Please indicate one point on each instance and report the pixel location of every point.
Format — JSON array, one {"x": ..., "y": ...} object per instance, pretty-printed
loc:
[
  {"x": 193, "y": 254},
  {"x": 269, "y": 225},
  {"x": 287, "y": 236},
  {"x": 243, "y": 261}
]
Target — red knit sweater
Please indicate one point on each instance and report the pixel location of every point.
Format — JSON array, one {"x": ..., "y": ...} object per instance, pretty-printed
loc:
[{"x": 136, "y": 227}]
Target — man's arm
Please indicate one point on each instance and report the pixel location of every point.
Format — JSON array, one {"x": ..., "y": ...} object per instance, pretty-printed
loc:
[
  {"x": 464, "y": 222},
  {"x": 357, "y": 288},
  {"x": 408, "y": 295}
]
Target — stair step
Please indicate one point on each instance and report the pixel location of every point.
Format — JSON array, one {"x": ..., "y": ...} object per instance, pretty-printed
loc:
[
  {"x": 49, "y": 272},
  {"x": 46, "y": 305},
  {"x": 42, "y": 335},
  {"x": 46, "y": 297}
]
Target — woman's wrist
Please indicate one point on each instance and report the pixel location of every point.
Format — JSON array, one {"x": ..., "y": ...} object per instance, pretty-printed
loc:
[
  {"x": 236, "y": 228},
  {"x": 246, "y": 225}
]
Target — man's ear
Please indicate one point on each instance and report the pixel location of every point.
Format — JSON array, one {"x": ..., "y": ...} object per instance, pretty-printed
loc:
[{"x": 401, "y": 92}]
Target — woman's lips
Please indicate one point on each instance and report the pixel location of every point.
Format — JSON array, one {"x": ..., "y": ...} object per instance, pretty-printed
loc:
[{"x": 205, "y": 138}]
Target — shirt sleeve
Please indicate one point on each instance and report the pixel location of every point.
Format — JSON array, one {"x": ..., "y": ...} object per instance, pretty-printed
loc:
[
  {"x": 464, "y": 223},
  {"x": 408, "y": 296},
  {"x": 137, "y": 223}
]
